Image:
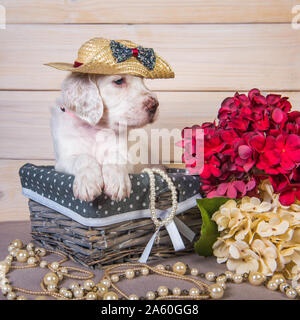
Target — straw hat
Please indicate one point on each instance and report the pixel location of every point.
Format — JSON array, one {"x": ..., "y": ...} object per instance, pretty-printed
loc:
[{"x": 103, "y": 56}]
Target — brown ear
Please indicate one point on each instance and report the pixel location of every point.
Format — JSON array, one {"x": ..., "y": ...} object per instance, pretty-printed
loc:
[{"x": 81, "y": 95}]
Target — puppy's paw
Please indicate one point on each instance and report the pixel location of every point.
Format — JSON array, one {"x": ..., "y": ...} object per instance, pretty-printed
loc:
[
  {"x": 88, "y": 183},
  {"x": 117, "y": 184}
]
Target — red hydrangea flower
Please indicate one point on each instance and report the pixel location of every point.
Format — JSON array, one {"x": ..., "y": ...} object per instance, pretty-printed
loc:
[
  {"x": 289, "y": 195},
  {"x": 256, "y": 137}
]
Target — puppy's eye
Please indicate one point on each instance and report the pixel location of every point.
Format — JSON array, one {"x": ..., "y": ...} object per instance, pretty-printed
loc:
[{"x": 119, "y": 81}]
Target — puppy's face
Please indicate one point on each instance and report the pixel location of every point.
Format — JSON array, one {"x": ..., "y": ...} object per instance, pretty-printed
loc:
[
  {"x": 127, "y": 100},
  {"x": 109, "y": 100}
]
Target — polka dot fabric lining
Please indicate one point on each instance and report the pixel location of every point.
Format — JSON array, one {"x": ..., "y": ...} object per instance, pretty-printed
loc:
[{"x": 57, "y": 186}]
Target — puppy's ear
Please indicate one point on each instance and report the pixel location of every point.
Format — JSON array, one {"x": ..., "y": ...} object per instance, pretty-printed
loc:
[{"x": 81, "y": 95}]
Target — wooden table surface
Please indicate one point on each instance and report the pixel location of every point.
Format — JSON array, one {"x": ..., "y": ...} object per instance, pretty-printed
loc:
[{"x": 30, "y": 278}]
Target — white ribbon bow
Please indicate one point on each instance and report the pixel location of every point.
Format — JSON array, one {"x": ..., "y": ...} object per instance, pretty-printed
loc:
[{"x": 174, "y": 228}]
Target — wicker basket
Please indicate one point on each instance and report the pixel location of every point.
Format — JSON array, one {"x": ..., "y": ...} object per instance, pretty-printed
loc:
[
  {"x": 97, "y": 247},
  {"x": 104, "y": 231}
]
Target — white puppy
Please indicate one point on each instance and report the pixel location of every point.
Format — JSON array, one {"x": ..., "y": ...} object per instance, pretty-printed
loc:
[{"x": 91, "y": 112}]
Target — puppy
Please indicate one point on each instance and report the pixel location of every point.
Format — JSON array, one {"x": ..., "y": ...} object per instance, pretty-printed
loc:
[{"x": 90, "y": 114}]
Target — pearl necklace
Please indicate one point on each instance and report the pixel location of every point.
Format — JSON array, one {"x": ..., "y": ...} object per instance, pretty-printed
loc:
[
  {"x": 152, "y": 197},
  {"x": 127, "y": 271},
  {"x": 167, "y": 220}
]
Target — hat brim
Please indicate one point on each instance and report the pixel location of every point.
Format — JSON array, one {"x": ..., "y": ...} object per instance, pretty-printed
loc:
[
  {"x": 131, "y": 66},
  {"x": 61, "y": 66}
]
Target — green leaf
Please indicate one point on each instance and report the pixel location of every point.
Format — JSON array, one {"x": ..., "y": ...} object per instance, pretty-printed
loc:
[{"x": 209, "y": 229}]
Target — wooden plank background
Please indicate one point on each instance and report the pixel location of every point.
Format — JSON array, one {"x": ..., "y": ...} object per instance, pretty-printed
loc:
[
  {"x": 204, "y": 57},
  {"x": 215, "y": 48},
  {"x": 154, "y": 11}
]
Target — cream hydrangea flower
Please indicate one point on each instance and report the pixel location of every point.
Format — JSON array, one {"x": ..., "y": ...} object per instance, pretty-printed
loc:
[
  {"x": 221, "y": 249},
  {"x": 292, "y": 271},
  {"x": 241, "y": 258},
  {"x": 295, "y": 275},
  {"x": 267, "y": 190},
  {"x": 286, "y": 248},
  {"x": 244, "y": 229},
  {"x": 259, "y": 235},
  {"x": 254, "y": 205},
  {"x": 281, "y": 261},
  {"x": 266, "y": 251},
  {"x": 291, "y": 254},
  {"x": 228, "y": 216},
  {"x": 293, "y": 217},
  {"x": 296, "y": 208},
  {"x": 296, "y": 237},
  {"x": 290, "y": 218},
  {"x": 274, "y": 227},
  {"x": 268, "y": 195},
  {"x": 240, "y": 231},
  {"x": 283, "y": 238}
]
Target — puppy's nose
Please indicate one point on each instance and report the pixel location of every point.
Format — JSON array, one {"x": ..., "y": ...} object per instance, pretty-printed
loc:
[{"x": 151, "y": 105}]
